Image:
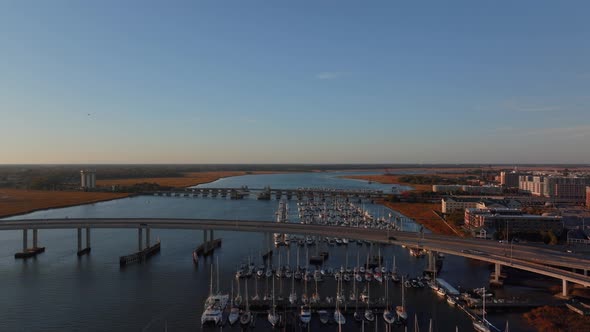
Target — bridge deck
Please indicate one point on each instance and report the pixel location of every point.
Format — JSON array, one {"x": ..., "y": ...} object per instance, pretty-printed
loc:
[{"x": 529, "y": 258}]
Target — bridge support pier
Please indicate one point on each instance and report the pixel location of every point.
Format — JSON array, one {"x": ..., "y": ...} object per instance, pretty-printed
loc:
[
  {"x": 142, "y": 253},
  {"x": 29, "y": 252},
  {"x": 496, "y": 281},
  {"x": 79, "y": 239},
  {"x": 88, "y": 237},
  {"x": 564, "y": 288},
  {"x": 85, "y": 250},
  {"x": 431, "y": 262},
  {"x": 35, "y": 238},
  {"x": 139, "y": 239},
  {"x": 25, "y": 239},
  {"x": 147, "y": 237}
]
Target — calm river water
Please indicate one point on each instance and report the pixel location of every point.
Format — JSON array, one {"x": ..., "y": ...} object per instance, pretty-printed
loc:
[{"x": 57, "y": 291}]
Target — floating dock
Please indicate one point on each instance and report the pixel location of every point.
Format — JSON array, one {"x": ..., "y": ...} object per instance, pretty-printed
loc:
[
  {"x": 579, "y": 308},
  {"x": 447, "y": 287}
]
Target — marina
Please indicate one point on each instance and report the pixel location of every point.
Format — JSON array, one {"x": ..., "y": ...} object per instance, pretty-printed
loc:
[{"x": 307, "y": 303}]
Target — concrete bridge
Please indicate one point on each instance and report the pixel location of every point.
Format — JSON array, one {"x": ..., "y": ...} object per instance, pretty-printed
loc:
[
  {"x": 272, "y": 192},
  {"x": 541, "y": 260}
]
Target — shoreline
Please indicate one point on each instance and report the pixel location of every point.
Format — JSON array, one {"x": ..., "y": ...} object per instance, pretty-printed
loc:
[
  {"x": 190, "y": 179},
  {"x": 390, "y": 179}
]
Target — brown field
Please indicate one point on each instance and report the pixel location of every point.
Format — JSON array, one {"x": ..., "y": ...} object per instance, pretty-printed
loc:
[
  {"x": 189, "y": 179},
  {"x": 18, "y": 201},
  {"x": 422, "y": 214},
  {"x": 390, "y": 179},
  {"x": 395, "y": 179}
]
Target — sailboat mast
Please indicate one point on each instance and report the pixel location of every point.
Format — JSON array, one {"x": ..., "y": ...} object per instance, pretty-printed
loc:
[
  {"x": 211, "y": 282},
  {"x": 232, "y": 293},
  {"x": 273, "y": 295},
  {"x": 247, "y": 303},
  {"x": 484, "y": 306},
  {"x": 217, "y": 267}
]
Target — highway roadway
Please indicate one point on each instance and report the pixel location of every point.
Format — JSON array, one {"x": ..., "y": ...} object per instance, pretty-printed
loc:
[{"x": 557, "y": 264}]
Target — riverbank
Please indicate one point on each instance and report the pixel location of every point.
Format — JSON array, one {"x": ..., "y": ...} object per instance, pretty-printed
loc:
[
  {"x": 189, "y": 179},
  {"x": 20, "y": 201}
]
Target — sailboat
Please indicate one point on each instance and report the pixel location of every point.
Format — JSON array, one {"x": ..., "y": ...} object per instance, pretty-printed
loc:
[
  {"x": 238, "y": 298},
  {"x": 315, "y": 297},
  {"x": 401, "y": 309},
  {"x": 324, "y": 317},
  {"x": 305, "y": 314},
  {"x": 482, "y": 325},
  {"x": 357, "y": 314},
  {"x": 338, "y": 316},
  {"x": 234, "y": 312},
  {"x": 293, "y": 295},
  {"x": 378, "y": 271},
  {"x": 215, "y": 304},
  {"x": 273, "y": 318},
  {"x": 394, "y": 275},
  {"x": 246, "y": 316},
  {"x": 256, "y": 297},
  {"x": 369, "y": 315},
  {"x": 388, "y": 315}
]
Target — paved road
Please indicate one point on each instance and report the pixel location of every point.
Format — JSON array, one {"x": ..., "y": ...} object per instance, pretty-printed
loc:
[{"x": 527, "y": 257}]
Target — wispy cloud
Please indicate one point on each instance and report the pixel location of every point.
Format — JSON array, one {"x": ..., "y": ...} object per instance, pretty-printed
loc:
[
  {"x": 572, "y": 132},
  {"x": 536, "y": 109},
  {"x": 329, "y": 75},
  {"x": 530, "y": 107},
  {"x": 249, "y": 120}
]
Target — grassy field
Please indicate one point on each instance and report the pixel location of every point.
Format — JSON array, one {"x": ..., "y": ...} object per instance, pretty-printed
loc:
[
  {"x": 395, "y": 179},
  {"x": 390, "y": 179},
  {"x": 17, "y": 201},
  {"x": 189, "y": 179},
  {"x": 423, "y": 214}
]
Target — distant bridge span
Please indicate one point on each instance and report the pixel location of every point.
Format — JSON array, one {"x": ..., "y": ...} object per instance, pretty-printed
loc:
[{"x": 535, "y": 259}]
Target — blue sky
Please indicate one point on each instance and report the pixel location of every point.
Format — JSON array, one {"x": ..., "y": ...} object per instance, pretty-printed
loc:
[{"x": 294, "y": 82}]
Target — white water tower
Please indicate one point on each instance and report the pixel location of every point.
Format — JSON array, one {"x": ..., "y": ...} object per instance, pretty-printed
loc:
[{"x": 87, "y": 179}]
